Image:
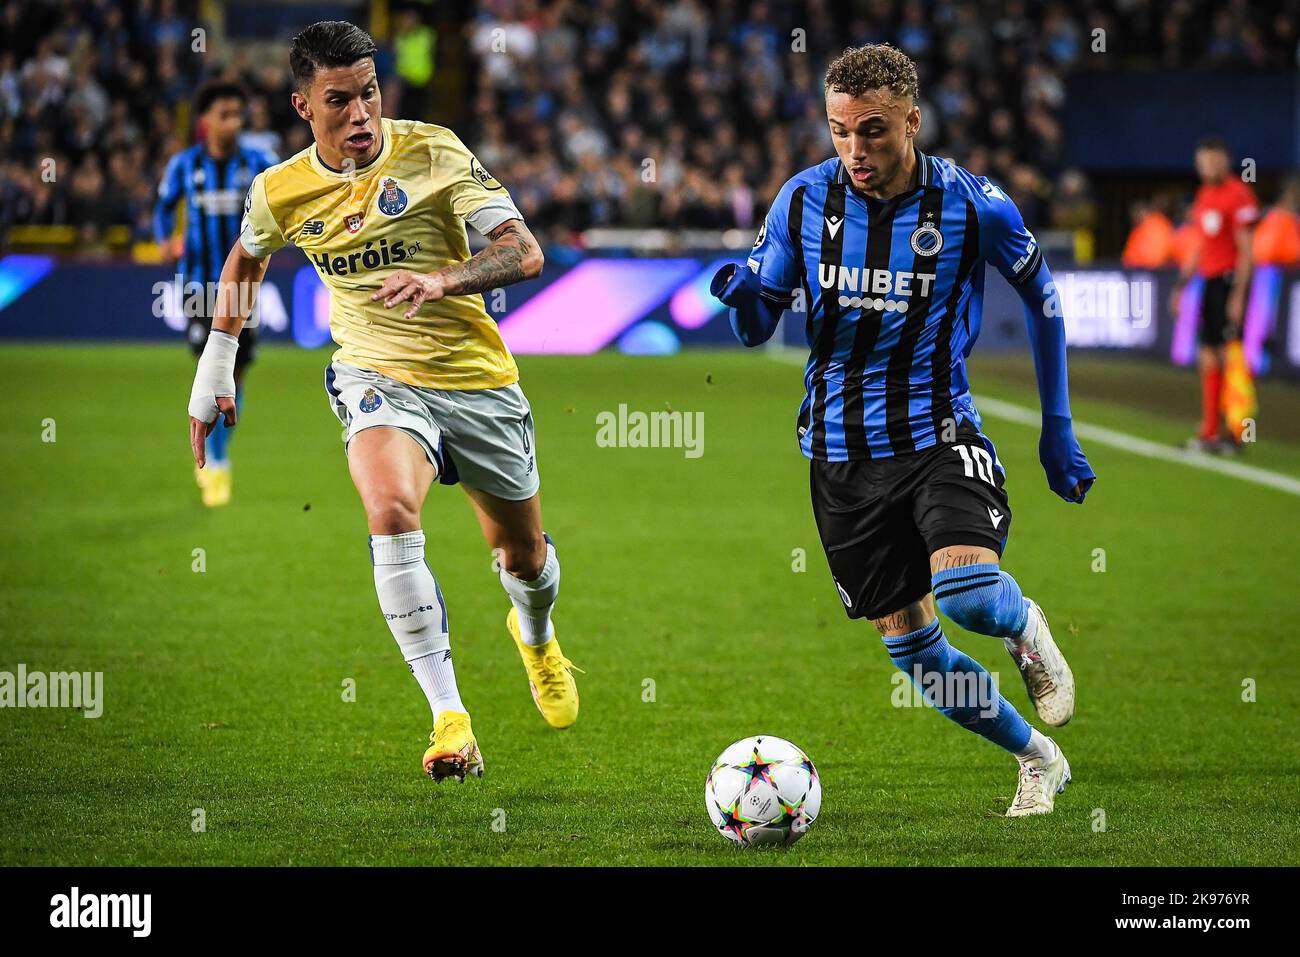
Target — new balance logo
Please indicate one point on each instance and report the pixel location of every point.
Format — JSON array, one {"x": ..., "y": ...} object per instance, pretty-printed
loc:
[
  {"x": 313, "y": 227},
  {"x": 833, "y": 224},
  {"x": 995, "y": 516}
]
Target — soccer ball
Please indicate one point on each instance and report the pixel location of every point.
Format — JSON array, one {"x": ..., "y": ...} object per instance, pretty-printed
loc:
[{"x": 763, "y": 790}]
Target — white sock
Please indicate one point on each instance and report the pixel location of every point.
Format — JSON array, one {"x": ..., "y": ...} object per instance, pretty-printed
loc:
[
  {"x": 1040, "y": 749},
  {"x": 412, "y": 604},
  {"x": 535, "y": 599},
  {"x": 1027, "y": 634},
  {"x": 438, "y": 680}
]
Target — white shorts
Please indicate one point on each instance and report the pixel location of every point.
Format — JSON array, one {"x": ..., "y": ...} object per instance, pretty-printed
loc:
[{"x": 482, "y": 437}]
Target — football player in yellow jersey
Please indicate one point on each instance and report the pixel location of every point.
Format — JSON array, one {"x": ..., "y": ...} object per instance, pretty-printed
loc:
[{"x": 422, "y": 381}]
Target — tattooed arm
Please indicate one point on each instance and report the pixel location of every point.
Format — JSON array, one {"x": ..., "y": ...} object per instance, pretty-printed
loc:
[{"x": 512, "y": 256}]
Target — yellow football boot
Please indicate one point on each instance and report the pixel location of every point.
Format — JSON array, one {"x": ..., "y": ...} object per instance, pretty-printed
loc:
[
  {"x": 221, "y": 486},
  {"x": 452, "y": 751},
  {"x": 550, "y": 677},
  {"x": 214, "y": 483}
]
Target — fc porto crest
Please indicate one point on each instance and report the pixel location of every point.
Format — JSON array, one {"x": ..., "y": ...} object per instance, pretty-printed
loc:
[
  {"x": 371, "y": 400},
  {"x": 927, "y": 240},
  {"x": 353, "y": 223},
  {"x": 392, "y": 198}
]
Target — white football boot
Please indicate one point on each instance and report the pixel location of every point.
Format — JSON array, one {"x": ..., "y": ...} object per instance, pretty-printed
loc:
[
  {"x": 1047, "y": 675},
  {"x": 1040, "y": 783}
]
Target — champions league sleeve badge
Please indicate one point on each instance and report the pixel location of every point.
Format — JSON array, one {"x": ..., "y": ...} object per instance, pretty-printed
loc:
[{"x": 392, "y": 198}]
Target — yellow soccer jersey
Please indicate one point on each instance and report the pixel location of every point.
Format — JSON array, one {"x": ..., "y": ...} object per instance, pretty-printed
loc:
[{"x": 406, "y": 209}]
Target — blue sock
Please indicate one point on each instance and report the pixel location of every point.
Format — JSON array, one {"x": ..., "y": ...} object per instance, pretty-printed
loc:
[
  {"x": 982, "y": 598},
  {"x": 958, "y": 686},
  {"x": 218, "y": 443}
]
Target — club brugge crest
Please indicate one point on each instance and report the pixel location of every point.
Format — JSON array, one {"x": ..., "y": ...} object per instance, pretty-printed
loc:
[
  {"x": 353, "y": 222},
  {"x": 392, "y": 198},
  {"x": 927, "y": 240},
  {"x": 371, "y": 401}
]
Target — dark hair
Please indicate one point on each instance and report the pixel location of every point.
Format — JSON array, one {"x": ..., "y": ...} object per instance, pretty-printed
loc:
[
  {"x": 872, "y": 67},
  {"x": 1212, "y": 143},
  {"x": 215, "y": 90},
  {"x": 326, "y": 44}
]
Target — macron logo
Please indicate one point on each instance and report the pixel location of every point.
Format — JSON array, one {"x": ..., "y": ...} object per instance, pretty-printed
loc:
[
  {"x": 133, "y": 911},
  {"x": 995, "y": 516},
  {"x": 833, "y": 224}
]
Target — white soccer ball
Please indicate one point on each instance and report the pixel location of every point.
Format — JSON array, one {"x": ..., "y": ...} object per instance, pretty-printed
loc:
[{"x": 763, "y": 790}]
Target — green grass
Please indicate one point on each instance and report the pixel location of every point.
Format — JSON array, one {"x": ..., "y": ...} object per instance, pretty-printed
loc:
[{"x": 223, "y": 688}]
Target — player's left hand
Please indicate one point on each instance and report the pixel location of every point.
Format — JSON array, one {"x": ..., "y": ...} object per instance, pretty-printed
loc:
[
  {"x": 405, "y": 285},
  {"x": 1068, "y": 473}
]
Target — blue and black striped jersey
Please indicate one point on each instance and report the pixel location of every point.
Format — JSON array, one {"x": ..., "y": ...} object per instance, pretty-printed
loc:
[
  {"x": 893, "y": 292},
  {"x": 213, "y": 192}
]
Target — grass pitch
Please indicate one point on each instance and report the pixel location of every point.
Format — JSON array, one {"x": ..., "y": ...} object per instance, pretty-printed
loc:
[{"x": 682, "y": 598}]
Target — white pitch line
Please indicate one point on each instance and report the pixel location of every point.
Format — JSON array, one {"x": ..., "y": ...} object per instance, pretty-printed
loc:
[
  {"x": 1144, "y": 447},
  {"x": 1023, "y": 415}
]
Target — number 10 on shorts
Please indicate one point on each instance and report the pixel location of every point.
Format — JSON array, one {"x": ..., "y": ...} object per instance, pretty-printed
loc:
[{"x": 973, "y": 458}]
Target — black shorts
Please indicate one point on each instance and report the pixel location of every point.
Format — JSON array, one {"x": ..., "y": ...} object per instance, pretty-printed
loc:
[
  {"x": 1214, "y": 327},
  {"x": 880, "y": 519},
  {"x": 197, "y": 333}
]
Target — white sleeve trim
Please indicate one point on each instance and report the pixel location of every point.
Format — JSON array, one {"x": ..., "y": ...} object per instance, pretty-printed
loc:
[
  {"x": 252, "y": 248},
  {"x": 493, "y": 213}
]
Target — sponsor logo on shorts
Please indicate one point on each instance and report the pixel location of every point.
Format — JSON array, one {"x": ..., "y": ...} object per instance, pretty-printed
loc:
[
  {"x": 392, "y": 198},
  {"x": 371, "y": 400}
]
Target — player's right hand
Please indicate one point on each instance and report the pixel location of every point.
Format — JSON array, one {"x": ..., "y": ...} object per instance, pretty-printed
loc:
[
  {"x": 213, "y": 394},
  {"x": 199, "y": 430},
  {"x": 735, "y": 284}
]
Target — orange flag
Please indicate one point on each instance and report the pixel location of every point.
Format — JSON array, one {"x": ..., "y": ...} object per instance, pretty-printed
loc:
[{"x": 1239, "y": 401}]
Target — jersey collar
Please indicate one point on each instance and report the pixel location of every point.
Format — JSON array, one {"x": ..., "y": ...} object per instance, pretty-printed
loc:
[{"x": 386, "y": 147}]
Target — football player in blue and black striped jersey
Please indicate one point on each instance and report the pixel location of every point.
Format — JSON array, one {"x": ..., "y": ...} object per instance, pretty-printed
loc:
[
  {"x": 211, "y": 179},
  {"x": 885, "y": 247}
]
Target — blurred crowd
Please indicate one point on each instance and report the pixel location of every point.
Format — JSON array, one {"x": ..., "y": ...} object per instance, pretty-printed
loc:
[
  {"x": 692, "y": 114},
  {"x": 636, "y": 113},
  {"x": 1162, "y": 235},
  {"x": 95, "y": 97}
]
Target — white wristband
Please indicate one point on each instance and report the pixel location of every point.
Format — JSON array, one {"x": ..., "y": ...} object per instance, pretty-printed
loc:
[{"x": 215, "y": 376}]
